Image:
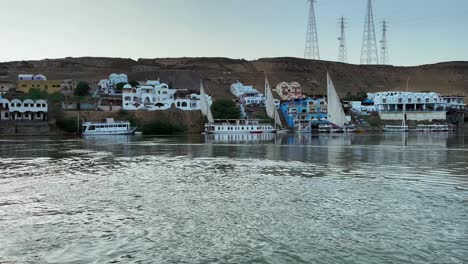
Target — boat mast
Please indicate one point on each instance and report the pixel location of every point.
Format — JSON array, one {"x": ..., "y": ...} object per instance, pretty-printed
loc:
[{"x": 404, "y": 103}]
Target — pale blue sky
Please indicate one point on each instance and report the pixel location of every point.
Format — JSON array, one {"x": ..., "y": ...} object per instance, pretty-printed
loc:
[{"x": 421, "y": 31}]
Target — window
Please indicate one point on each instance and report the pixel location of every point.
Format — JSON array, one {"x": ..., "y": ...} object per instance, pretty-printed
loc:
[
  {"x": 184, "y": 104},
  {"x": 409, "y": 100}
]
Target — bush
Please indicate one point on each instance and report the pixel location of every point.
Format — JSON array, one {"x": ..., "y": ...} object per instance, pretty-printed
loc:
[
  {"x": 134, "y": 83},
  {"x": 225, "y": 109},
  {"x": 161, "y": 127},
  {"x": 82, "y": 89},
  {"x": 119, "y": 86},
  {"x": 69, "y": 125},
  {"x": 35, "y": 94}
]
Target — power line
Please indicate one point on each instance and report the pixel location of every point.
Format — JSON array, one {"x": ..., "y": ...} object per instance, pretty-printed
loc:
[
  {"x": 342, "y": 54},
  {"x": 369, "y": 53},
  {"x": 384, "y": 44},
  {"x": 311, "y": 45}
]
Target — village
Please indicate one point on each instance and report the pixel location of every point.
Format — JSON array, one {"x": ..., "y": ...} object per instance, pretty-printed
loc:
[{"x": 37, "y": 105}]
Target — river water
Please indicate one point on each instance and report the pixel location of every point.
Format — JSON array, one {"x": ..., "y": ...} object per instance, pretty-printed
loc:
[{"x": 370, "y": 198}]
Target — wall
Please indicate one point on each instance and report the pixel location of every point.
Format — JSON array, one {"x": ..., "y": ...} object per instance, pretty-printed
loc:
[
  {"x": 193, "y": 121},
  {"x": 414, "y": 116},
  {"x": 24, "y": 128},
  {"x": 50, "y": 86}
]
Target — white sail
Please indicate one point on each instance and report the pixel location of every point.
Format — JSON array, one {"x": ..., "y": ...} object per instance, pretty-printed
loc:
[
  {"x": 204, "y": 105},
  {"x": 271, "y": 109},
  {"x": 336, "y": 114}
]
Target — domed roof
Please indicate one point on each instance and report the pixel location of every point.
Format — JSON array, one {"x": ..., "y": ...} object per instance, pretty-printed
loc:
[
  {"x": 127, "y": 86},
  {"x": 39, "y": 77}
]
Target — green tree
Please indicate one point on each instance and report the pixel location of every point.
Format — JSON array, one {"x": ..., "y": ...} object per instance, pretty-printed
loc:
[
  {"x": 119, "y": 86},
  {"x": 134, "y": 83},
  {"x": 82, "y": 89},
  {"x": 225, "y": 109},
  {"x": 35, "y": 94}
]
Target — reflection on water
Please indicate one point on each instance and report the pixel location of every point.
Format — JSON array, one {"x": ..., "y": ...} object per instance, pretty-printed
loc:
[{"x": 370, "y": 198}]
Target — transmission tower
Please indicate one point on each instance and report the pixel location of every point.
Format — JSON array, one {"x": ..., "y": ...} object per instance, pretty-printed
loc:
[
  {"x": 311, "y": 46},
  {"x": 342, "y": 56},
  {"x": 369, "y": 53},
  {"x": 384, "y": 44}
]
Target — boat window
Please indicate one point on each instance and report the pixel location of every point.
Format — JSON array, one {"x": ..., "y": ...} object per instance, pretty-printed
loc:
[{"x": 92, "y": 128}]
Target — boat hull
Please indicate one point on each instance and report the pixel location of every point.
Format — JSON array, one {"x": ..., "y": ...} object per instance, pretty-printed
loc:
[
  {"x": 110, "y": 133},
  {"x": 242, "y": 132}
]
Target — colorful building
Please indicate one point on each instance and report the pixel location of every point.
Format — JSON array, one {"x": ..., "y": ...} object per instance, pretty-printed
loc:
[
  {"x": 288, "y": 91},
  {"x": 304, "y": 110}
]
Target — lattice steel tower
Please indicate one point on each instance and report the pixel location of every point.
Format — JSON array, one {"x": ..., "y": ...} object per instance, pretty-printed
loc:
[
  {"x": 384, "y": 44},
  {"x": 311, "y": 45},
  {"x": 342, "y": 55},
  {"x": 369, "y": 53}
]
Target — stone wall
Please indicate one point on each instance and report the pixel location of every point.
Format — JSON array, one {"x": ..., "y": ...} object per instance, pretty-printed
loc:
[
  {"x": 24, "y": 128},
  {"x": 193, "y": 121}
]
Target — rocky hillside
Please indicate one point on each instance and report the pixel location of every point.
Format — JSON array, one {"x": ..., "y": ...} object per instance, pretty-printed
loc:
[{"x": 219, "y": 73}]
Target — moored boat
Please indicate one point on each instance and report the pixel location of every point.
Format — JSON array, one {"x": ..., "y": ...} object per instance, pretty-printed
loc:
[
  {"x": 396, "y": 128},
  {"x": 109, "y": 127},
  {"x": 239, "y": 126},
  {"x": 432, "y": 128},
  {"x": 232, "y": 126}
]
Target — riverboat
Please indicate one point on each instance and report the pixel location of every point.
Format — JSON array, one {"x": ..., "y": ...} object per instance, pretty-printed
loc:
[
  {"x": 432, "y": 128},
  {"x": 109, "y": 127},
  {"x": 239, "y": 126},
  {"x": 396, "y": 128}
]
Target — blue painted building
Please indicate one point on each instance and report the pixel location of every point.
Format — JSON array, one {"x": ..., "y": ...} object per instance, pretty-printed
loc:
[{"x": 304, "y": 110}]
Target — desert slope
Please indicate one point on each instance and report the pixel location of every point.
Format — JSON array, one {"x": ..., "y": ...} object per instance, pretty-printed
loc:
[{"x": 219, "y": 73}]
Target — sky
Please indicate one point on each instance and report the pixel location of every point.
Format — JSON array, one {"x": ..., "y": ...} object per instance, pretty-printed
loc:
[{"x": 421, "y": 31}]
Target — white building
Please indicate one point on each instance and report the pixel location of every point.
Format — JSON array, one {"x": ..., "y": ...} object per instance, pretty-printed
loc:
[
  {"x": 395, "y": 101},
  {"x": 247, "y": 94},
  {"x": 107, "y": 86},
  {"x": 454, "y": 102},
  {"x": 23, "y": 110},
  {"x": 155, "y": 96},
  {"x": 114, "y": 79},
  {"x": 31, "y": 77},
  {"x": 362, "y": 108},
  {"x": 416, "y": 106}
]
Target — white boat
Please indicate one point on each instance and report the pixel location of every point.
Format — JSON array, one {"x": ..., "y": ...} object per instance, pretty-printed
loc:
[
  {"x": 324, "y": 128},
  {"x": 232, "y": 126},
  {"x": 393, "y": 128},
  {"x": 336, "y": 114},
  {"x": 110, "y": 127},
  {"x": 239, "y": 126},
  {"x": 303, "y": 128},
  {"x": 432, "y": 128}
]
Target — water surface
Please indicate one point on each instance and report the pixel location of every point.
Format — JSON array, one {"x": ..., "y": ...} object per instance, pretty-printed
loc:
[{"x": 371, "y": 198}]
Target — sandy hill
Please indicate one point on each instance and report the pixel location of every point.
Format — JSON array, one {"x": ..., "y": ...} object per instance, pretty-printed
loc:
[{"x": 219, "y": 73}]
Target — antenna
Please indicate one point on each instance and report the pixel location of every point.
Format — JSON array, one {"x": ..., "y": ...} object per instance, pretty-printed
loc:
[
  {"x": 311, "y": 45},
  {"x": 342, "y": 56},
  {"x": 384, "y": 44},
  {"x": 369, "y": 53}
]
